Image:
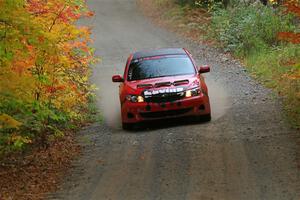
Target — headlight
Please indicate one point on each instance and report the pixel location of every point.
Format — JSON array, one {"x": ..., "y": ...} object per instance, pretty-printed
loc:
[
  {"x": 135, "y": 98},
  {"x": 192, "y": 92},
  {"x": 140, "y": 99},
  {"x": 188, "y": 93}
]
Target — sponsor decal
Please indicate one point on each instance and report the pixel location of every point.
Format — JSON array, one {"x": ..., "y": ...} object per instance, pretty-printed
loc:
[{"x": 163, "y": 91}]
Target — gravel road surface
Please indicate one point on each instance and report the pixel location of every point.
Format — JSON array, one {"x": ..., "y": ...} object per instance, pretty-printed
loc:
[{"x": 247, "y": 151}]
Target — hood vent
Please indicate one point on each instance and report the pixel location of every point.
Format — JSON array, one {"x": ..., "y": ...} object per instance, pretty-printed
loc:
[
  {"x": 144, "y": 86},
  {"x": 163, "y": 84},
  {"x": 176, "y": 83},
  {"x": 181, "y": 82}
]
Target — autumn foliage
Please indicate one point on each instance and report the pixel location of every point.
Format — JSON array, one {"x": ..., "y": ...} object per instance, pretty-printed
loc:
[
  {"x": 292, "y": 6},
  {"x": 44, "y": 68}
]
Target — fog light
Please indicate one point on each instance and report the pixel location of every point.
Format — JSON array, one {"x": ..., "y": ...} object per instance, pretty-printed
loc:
[
  {"x": 202, "y": 107},
  {"x": 130, "y": 115}
]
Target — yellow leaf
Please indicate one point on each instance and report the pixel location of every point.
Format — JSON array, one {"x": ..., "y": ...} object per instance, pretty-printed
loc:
[{"x": 7, "y": 121}]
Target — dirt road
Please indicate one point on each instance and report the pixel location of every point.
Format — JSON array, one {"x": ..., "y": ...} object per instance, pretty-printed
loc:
[{"x": 247, "y": 151}]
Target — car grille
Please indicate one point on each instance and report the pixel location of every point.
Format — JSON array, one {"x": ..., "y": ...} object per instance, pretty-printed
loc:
[
  {"x": 163, "y": 98},
  {"x": 168, "y": 113}
]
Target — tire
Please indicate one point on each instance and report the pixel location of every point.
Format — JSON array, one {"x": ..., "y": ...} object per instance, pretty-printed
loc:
[{"x": 127, "y": 126}]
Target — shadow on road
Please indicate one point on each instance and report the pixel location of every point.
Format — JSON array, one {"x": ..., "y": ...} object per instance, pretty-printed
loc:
[{"x": 166, "y": 123}]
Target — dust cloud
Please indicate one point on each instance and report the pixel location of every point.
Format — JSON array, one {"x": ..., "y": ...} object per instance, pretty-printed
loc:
[
  {"x": 110, "y": 104},
  {"x": 108, "y": 96},
  {"x": 219, "y": 98}
]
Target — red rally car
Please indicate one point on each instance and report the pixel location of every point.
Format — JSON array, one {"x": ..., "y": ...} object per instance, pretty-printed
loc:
[{"x": 163, "y": 83}]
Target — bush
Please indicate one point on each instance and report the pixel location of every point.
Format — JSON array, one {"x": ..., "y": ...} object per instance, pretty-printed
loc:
[
  {"x": 251, "y": 32},
  {"x": 279, "y": 68},
  {"x": 23, "y": 122},
  {"x": 207, "y": 4},
  {"x": 184, "y": 2},
  {"x": 250, "y": 28}
]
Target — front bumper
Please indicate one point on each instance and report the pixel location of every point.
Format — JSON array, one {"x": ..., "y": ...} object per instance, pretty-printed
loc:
[{"x": 192, "y": 106}]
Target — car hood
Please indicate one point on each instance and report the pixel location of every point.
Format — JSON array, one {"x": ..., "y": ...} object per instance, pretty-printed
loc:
[{"x": 185, "y": 81}]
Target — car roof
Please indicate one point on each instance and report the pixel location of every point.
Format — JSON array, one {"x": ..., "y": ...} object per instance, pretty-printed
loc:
[{"x": 159, "y": 52}]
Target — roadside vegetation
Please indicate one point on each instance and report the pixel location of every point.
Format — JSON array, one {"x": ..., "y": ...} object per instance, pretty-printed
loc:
[
  {"x": 44, "y": 70},
  {"x": 45, "y": 94},
  {"x": 264, "y": 35}
]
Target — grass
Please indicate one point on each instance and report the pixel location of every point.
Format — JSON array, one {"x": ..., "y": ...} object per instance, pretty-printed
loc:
[
  {"x": 278, "y": 69},
  {"x": 93, "y": 114}
]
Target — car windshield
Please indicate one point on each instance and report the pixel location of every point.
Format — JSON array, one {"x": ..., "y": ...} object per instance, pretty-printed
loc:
[{"x": 159, "y": 67}]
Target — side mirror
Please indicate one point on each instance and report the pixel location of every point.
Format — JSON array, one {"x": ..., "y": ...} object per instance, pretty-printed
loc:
[
  {"x": 117, "y": 78},
  {"x": 204, "y": 69}
]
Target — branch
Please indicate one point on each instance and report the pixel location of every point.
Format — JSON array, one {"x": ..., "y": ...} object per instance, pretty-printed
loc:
[{"x": 56, "y": 18}]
